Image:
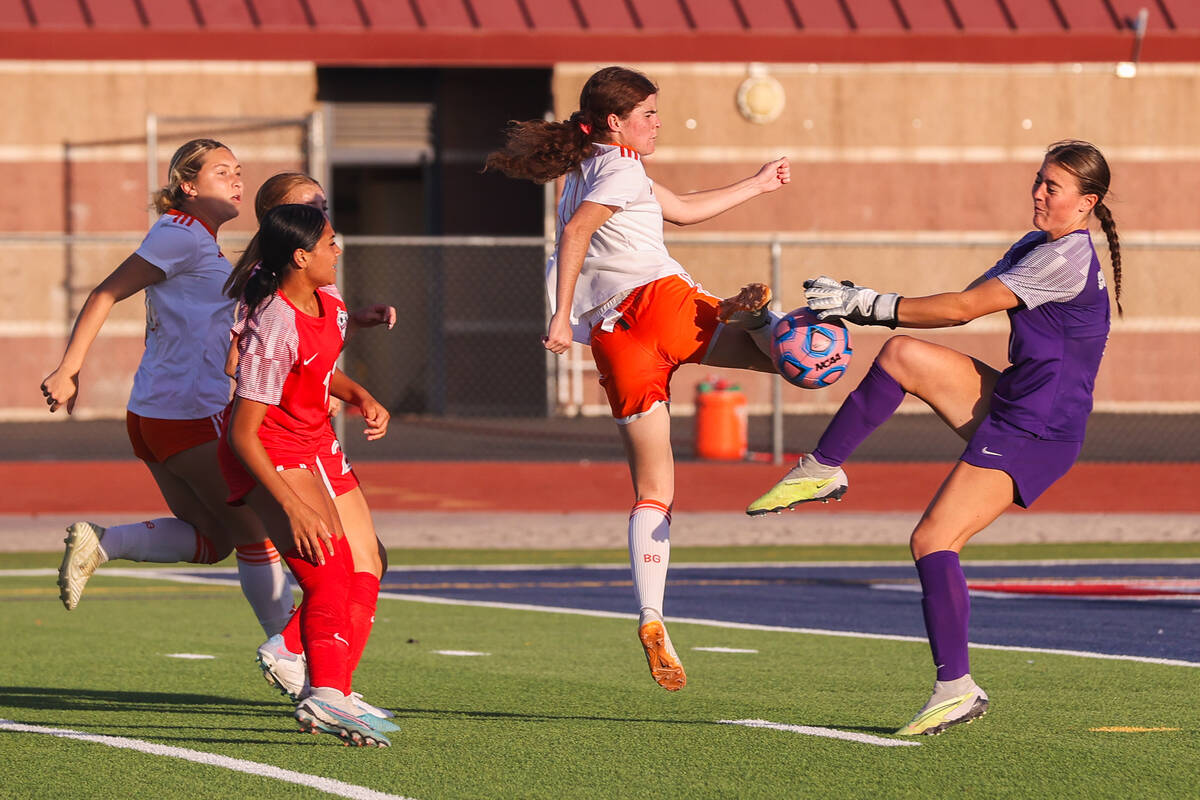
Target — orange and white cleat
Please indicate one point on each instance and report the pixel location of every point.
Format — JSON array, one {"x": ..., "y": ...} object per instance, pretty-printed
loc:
[
  {"x": 665, "y": 667},
  {"x": 747, "y": 309}
]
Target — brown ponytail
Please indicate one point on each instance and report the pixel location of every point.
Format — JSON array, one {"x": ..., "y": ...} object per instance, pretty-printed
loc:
[{"x": 541, "y": 151}]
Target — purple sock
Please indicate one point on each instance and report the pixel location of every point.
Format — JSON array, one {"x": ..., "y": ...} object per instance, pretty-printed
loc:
[
  {"x": 947, "y": 608},
  {"x": 870, "y": 405}
]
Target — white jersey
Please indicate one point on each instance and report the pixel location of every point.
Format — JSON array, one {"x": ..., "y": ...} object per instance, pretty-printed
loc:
[
  {"x": 182, "y": 373},
  {"x": 628, "y": 250}
]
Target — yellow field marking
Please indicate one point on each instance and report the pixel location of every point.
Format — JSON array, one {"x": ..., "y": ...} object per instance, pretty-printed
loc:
[{"x": 1128, "y": 729}]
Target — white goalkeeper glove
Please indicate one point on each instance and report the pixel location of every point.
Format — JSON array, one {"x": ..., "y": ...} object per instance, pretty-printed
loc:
[{"x": 857, "y": 304}]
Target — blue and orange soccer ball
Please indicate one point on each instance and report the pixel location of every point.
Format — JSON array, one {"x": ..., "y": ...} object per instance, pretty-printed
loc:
[{"x": 808, "y": 352}]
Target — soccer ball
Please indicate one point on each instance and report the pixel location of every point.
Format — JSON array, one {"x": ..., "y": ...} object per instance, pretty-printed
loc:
[{"x": 808, "y": 352}]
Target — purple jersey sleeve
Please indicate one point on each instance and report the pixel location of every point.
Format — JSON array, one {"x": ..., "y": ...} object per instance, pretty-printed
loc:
[{"x": 1052, "y": 272}]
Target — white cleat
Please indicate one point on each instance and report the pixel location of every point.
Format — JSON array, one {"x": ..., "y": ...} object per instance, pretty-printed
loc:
[
  {"x": 82, "y": 556},
  {"x": 283, "y": 669}
]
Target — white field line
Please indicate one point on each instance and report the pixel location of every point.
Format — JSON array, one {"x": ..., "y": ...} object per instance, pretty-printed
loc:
[
  {"x": 169, "y": 575},
  {"x": 177, "y": 573},
  {"x": 327, "y": 785},
  {"x": 828, "y": 733}
]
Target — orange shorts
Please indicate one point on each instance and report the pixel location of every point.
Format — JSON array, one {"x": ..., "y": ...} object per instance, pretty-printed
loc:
[
  {"x": 663, "y": 324},
  {"x": 156, "y": 440}
]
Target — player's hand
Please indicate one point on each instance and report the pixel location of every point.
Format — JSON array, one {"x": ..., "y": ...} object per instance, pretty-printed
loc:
[
  {"x": 335, "y": 406},
  {"x": 378, "y": 314},
  {"x": 774, "y": 175},
  {"x": 310, "y": 533},
  {"x": 558, "y": 337},
  {"x": 61, "y": 389},
  {"x": 857, "y": 304},
  {"x": 376, "y": 417}
]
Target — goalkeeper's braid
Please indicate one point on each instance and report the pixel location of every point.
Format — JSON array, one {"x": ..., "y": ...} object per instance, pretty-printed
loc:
[{"x": 1109, "y": 227}]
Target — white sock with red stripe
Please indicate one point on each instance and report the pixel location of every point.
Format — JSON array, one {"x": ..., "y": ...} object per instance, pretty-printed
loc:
[
  {"x": 650, "y": 552},
  {"x": 265, "y": 585},
  {"x": 162, "y": 541}
]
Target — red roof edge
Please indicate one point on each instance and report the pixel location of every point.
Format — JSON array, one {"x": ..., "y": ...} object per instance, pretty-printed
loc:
[{"x": 468, "y": 48}]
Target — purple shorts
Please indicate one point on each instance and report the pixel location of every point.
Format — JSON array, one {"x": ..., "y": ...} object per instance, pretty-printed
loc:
[{"x": 1032, "y": 463}]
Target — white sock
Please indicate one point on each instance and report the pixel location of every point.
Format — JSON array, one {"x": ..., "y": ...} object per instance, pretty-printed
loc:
[
  {"x": 764, "y": 334},
  {"x": 328, "y": 694},
  {"x": 650, "y": 552},
  {"x": 162, "y": 541},
  {"x": 265, "y": 585},
  {"x": 944, "y": 690}
]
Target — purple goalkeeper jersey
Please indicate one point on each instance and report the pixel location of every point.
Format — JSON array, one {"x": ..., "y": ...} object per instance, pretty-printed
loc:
[{"x": 1058, "y": 335}]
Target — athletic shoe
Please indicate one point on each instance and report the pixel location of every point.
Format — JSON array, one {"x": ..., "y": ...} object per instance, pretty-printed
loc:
[
  {"x": 322, "y": 716},
  {"x": 665, "y": 666},
  {"x": 380, "y": 718},
  {"x": 82, "y": 556},
  {"x": 283, "y": 669},
  {"x": 939, "y": 715},
  {"x": 747, "y": 309},
  {"x": 800, "y": 486},
  {"x": 363, "y": 705}
]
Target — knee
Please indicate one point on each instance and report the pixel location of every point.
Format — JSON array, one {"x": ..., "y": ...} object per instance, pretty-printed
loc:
[{"x": 896, "y": 353}]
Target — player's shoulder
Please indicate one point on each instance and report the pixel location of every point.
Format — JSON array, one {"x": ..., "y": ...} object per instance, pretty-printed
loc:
[
  {"x": 333, "y": 292},
  {"x": 616, "y": 157},
  {"x": 177, "y": 230},
  {"x": 1074, "y": 246},
  {"x": 272, "y": 314}
]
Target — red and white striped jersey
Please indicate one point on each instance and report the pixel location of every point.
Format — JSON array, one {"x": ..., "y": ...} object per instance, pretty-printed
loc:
[{"x": 286, "y": 360}]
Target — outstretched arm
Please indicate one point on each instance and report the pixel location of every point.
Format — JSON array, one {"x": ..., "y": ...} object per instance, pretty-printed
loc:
[
  {"x": 693, "y": 207},
  {"x": 863, "y": 306},
  {"x": 61, "y": 387}
]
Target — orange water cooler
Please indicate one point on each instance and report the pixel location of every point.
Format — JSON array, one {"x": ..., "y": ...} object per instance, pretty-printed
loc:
[{"x": 720, "y": 421}]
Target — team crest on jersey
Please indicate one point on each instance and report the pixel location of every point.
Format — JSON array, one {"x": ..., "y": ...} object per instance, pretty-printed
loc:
[{"x": 342, "y": 319}]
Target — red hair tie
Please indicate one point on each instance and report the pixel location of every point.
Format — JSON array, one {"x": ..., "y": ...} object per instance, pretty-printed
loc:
[{"x": 587, "y": 129}]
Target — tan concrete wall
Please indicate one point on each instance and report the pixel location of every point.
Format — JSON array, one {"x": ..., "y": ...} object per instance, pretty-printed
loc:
[{"x": 73, "y": 151}]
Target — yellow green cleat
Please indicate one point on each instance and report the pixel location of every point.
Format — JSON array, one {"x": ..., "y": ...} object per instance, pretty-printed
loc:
[
  {"x": 800, "y": 486},
  {"x": 936, "y": 717}
]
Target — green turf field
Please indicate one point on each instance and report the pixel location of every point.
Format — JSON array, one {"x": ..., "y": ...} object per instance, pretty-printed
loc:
[{"x": 561, "y": 707}]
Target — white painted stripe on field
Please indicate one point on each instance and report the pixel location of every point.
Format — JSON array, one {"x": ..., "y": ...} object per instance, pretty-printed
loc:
[
  {"x": 460, "y": 653},
  {"x": 724, "y": 650},
  {"x": 750, "y": 626},
  {"x": 828, "y": 733},
  {"x": 169, "y": 575},
  {"x": 327, "y": 785},
  {"x": 190, "y": 656}
]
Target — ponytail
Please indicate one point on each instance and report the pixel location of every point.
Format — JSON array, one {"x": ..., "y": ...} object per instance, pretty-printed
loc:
[
  {"x": 1109, "y": 226},
  {"x": 283, "y": 230},
  {"x": 541, "y": 151},
  {"x": 274, "y": 191}
]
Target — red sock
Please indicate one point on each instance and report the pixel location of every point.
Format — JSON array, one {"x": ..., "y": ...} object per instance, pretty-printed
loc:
[
  {"x": 364, "y": 591},
  {"x": 292, "y": 639},
  {"x": 324, "y": 615}
]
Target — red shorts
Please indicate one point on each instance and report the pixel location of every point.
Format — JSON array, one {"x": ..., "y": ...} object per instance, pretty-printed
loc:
[
  {"x": 156, "y": 440},
  {"x": 328, "y": 463},
  {"x": 663, "y": 324}
]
